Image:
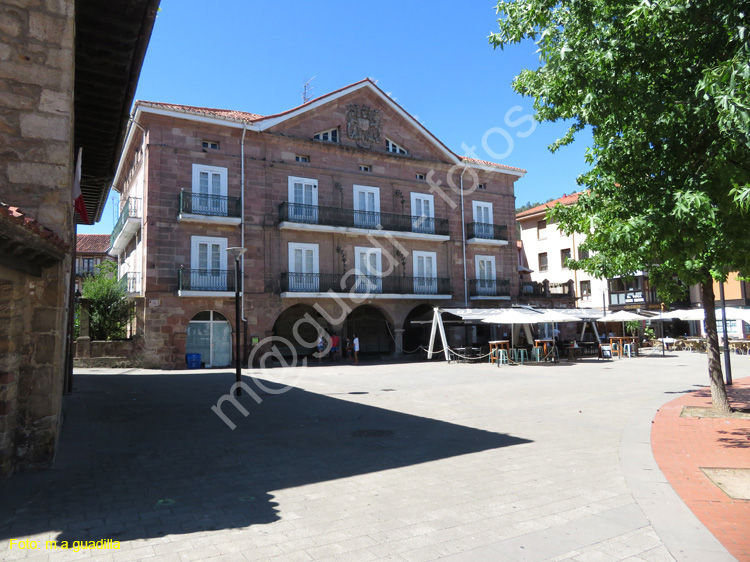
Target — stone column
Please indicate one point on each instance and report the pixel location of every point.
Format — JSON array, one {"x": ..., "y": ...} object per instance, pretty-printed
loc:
[
  {"x": 399, "y": 341},
  {"x": 83, "y": 343}
]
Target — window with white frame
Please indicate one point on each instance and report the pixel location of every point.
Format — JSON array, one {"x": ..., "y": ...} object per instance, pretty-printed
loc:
[
  {"x": 304, "y": 274},
  {"x": 420, "y": 176},
  {"x": 483, "y": 226},
  {"x": 391, "y": 146},
  {"x": 368, "y": 266},
  {"x": 366, "y": 206},
  {"x": 422, "y": 213},
  {"x": 365, "y": 168},
  {"x": 425, "y": 272},
  {"x": 330, "y": 135},
  {"x": 213, "y": 145},
  {"x": 486, "y": 283},
  {"x": 208, "y": 263},
  {"x": 301, "y": 158},
  {"x": 209, "y": 191},
  {"x": 303, "y": 200}
]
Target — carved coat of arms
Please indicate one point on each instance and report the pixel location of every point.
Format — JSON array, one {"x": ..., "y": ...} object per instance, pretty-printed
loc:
[{"x": 362, "y": 123}]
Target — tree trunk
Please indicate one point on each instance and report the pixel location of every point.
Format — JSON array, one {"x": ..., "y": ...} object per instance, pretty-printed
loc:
[{"x": 719, "y": 399}]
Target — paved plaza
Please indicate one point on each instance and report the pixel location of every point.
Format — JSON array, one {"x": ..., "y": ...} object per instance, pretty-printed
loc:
[{"x": 403, "y": 462}]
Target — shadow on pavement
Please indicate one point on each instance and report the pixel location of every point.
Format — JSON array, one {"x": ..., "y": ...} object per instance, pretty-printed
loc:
[{"x": 144, "y": 456}]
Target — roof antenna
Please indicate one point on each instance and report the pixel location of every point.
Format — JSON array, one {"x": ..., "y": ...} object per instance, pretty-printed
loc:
[{"x": 307, "y": 90}]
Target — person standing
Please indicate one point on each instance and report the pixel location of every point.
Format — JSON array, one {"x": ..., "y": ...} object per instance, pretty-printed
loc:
[
  {"x": 321, "y": 346},
  {"x": 355, "y": 346},
  {"x": 334, "y": 346}
]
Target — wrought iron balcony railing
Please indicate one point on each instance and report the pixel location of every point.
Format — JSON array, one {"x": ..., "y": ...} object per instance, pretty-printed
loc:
[
  {"x": 489, "y": 287},
  {"x": 363, "y": 284},
  {"x": 332, "y": 216},
  {"x": 131, "y": 210},
  {"x": 131, "y": 282},
  {"x": 487, "y": 231},
  {"x": 209, "y": 205},
  {"x": 206, "y": 279},
  {"x": 532, "y": 289}
]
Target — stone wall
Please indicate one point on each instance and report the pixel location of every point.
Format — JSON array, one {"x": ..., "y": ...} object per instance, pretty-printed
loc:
[{"x": 36, "y": 131}]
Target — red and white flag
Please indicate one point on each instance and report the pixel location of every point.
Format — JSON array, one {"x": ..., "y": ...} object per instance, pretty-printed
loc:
[{"x": 80, "y": 206}]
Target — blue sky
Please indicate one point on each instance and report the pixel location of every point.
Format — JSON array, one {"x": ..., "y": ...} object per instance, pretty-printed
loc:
[{"x": 433, "y": 58}]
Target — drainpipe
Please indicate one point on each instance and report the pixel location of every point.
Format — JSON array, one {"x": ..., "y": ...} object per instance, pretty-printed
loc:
[
  {"x": 242, "y": 237},
  {"x": 463, "y": 239}
]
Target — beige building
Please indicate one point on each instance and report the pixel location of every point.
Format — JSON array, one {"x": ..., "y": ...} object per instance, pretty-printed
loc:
[
  {"x": 546, "y": 251},
  {"x": 354, "y": 216}
]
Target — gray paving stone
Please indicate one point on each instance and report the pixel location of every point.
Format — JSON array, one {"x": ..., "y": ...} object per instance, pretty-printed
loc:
[{"x": 554, "y": 459}]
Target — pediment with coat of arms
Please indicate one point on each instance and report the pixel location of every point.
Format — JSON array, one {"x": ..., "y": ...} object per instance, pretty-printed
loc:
[{"x": 362, "y": 123}]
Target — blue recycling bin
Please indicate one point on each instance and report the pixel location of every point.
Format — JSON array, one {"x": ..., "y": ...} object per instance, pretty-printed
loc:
[{"x": 193, "y": 360}]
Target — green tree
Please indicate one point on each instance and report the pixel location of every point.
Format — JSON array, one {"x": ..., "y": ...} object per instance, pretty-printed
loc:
[
  {"x": 108, "y": 308},
  {"x": 663, "y": 88}
]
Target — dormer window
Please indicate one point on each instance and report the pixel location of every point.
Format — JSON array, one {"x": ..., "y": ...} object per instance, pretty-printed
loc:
[
  {"x": 331, "y": 135},
  {"x": 391, "y": 146}
]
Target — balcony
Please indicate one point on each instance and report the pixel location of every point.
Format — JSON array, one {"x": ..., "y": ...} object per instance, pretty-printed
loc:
[
  {"x": 485, "y": 233},
  {"x": 300, "y": 285},
  {"x": 547, "y": 290},
  {"x": 206, "y": 283},
  {"x": 213, "y": 209},
  {"x": 84, "y": 272},
  {"x": 638, "y": 298},
  {"x": 294, "y": 216},
  {"x": 128, "y": 223},
  {"x": 131, "y": 282},
  {"x": 486, "y": 289}
]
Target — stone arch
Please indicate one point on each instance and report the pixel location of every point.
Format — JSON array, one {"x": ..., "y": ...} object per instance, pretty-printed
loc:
[
  {"x": 374, "y": 329},
  {"x": 416, "y": 331},
  {"x": 209, "y": 333},
  {"x": 294, "y": 326}
]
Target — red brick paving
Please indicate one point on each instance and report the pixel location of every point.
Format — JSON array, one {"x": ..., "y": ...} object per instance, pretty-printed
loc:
[{"x": 682, "y": 445}]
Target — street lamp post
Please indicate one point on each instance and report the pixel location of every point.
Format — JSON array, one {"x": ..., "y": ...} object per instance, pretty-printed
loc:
[
  {"x": 236, "y": 252},
  {"x": 727, "y": 361}
]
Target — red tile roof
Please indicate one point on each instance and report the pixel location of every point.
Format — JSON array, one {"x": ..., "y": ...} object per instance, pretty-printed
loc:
[
  {"x": 229, "y": 114},
  {"x": 14, "y": 214},
  {"x": 564, "y": 200},
  {"x": 492, "y": 164},
  {"x": 246, "y": 117},
  {"x": 92, "y": 243}
]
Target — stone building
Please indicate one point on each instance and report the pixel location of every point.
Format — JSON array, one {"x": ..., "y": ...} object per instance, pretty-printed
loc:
[
  {"x": 356, "y": 219},
  {"x": 68, "y": 71},
  {"x": 91, "y": 251}
]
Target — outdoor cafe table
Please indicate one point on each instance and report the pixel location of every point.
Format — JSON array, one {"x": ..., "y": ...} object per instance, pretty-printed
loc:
[
  {"x": 740, "y": 346},
  {"x": 544, "y": 345},
  {"x": 667, "y": 342},
  {"x": 499, "y": 344},
  {"x": 622, "y": 340}
]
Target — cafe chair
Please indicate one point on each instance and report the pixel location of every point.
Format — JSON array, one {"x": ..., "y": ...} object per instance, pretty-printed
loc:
[
  {"x": 520, "y": 355},
  {"x": 502, "y": 357},
  {"x": 627, "y": 348},
  {"x": 536, "y": 354}
]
